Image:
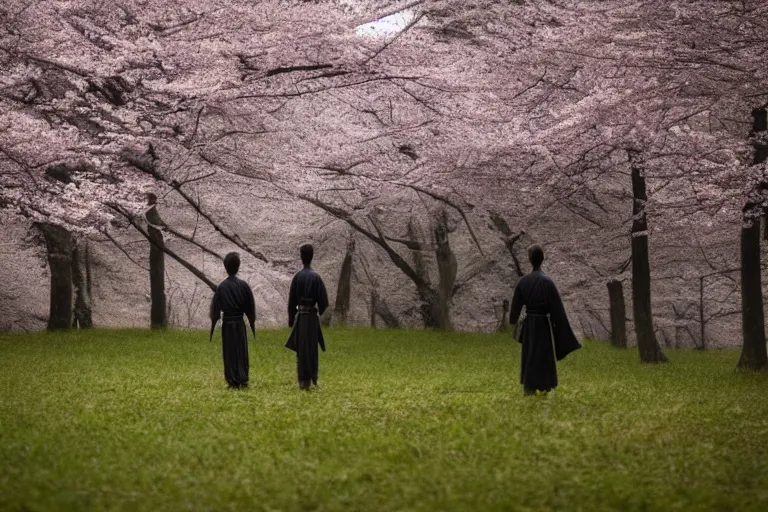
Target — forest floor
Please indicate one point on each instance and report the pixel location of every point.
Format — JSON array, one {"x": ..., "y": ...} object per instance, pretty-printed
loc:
[{"x": 402, "y": 420}]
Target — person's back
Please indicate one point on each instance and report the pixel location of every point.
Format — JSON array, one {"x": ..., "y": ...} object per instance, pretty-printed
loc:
[
  {"x": 307, "y": 290},
  {"x": 307, "y": 298},
  {"x": 546, "y": 334},
  {"x": 233, "y": 299},
  {"x": 535, "y": 291}
]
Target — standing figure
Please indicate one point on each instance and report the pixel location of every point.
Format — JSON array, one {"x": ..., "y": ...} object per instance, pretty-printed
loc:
[
  {"x": 306, "y": 298},
  {"x": 546, "y": 334},
  {"x": 232, "y": 300}
]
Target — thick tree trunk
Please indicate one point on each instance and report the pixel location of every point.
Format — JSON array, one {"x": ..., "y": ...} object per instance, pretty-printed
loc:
[
  {"x": 618, "y": 314},
  {"x": 344, "y": 288},
  {"x": 446, "y": 268},
  {"x": 650, "y": 352},
  {"x": 158, "y": 312},
  {"x": 430, "y": 309},
  {"x": 58, "y": 242},
  {"x": 81, "y": 277},
  {"x": 753, "y": 351}
]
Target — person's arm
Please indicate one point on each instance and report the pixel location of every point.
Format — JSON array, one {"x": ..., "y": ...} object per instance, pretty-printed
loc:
[
  {"x": 516, "y": 308},
  {"x": 292, "y": 302},
  {"x": 322, "y": 297},
  {"x": 565, "y": 338},
  {"x": 214, "y": 312},
  {"x": 250, "y": 308}
]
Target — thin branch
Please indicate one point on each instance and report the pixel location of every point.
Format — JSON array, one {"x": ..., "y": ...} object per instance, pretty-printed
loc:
[
  {"x": 439, "y": 197},
  {"x": 194, "y": 270},
  {"x": 122, "y": 249}
]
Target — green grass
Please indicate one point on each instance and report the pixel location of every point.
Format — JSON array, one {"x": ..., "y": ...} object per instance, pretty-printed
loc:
[{"x": 403, "y": 420}]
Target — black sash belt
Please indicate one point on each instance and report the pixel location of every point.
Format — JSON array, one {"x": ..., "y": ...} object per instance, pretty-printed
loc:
[{"x": 307, "y": 310}]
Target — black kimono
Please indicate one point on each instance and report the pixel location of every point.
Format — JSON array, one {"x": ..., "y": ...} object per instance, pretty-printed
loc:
[
  {"x": 546, "y": 334},
  {"x": 234, "y": 298},
  {"x": 306, "y": 299}
]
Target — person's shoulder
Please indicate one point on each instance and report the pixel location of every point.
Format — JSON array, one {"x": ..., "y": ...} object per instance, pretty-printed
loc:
[
  {"x": 527, "y": 278},
  {"x": 242, "y": 282},
  {"x": 548, "y": 280}
]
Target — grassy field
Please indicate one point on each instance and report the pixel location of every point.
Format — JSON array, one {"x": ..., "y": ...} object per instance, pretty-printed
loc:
[{"x": 138, "y": 420}]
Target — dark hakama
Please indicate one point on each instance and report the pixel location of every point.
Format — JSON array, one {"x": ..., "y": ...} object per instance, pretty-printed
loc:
[
  {"x": 546, "y": 334},
  {"x": 307, "y": 298},
  {"x": 234, "y": 298}
]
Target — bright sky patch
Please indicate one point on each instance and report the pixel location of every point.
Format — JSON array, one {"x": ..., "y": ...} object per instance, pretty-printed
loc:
[{"x": 386, "y": 26}]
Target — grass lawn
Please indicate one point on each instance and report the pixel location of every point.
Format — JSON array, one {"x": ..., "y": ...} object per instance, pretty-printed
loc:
[{"x": 403, "y": 420}]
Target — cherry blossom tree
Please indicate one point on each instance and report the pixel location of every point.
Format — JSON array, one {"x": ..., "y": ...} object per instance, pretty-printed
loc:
[{"x": 420, "y": 125}]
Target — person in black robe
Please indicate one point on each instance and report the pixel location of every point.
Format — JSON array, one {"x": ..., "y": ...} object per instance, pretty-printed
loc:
[
  {"x": 546, "y": 334},
  {"x": 232, "y": 300},
  {"x": 306, "y": 299}
]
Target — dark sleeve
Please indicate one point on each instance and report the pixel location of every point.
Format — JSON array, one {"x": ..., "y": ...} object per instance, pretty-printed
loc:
[
  {"x": 214, "y": 312},
  {"x": 517, "y": 305},
  {"x": 292, "y": 302},
  {"x": 322, "y": 297},
  {"x": 250, "y": 306},
  {"x": 565, "y": 339}
]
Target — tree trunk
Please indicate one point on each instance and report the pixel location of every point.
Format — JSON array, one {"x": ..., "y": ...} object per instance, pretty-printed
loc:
[
  {"x": 58, "y": 242},
  {"x": 81, "y": 277},
  {"x": 374, "y": 299},
  {"x": 753, "y": 351},
  {"x": 158, "y": 313},
  {"x": 446, "y": 268},
  {"x": 618, "y": 314},
  {"x": 504, "y": 324},
  {"x": 650, "y": 352},
  {"x": 430, "y": 309},
  {"x": 344, "y": 288},
  {"x": 381, "y": 308}
]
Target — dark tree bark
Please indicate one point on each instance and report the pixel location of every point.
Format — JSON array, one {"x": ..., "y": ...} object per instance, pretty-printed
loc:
[
  {"x": 145, "y": 162},
  {"x": 618, "y": 314},
  {"x": 344, "y": 288},
  {"x": 434, "y": 312},
  {"x": 158, "y": 312},
  {"x": 504, "y": 323},
  {"x": 650, "y": 352},
  {"x": 58, "y": 243},
  {"x": 446, "y": 269},
  {"x": 509, "y": 240},
  {"x": 81, "y": 281},
  {"x": 753, "y": 351},
  {"x": 374, "y": 300},
  {"x": 380, "y": 308},
  {"x": 427, "y": 295}
]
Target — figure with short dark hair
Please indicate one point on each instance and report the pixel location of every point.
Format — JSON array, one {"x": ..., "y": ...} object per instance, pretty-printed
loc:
[
  {"x": 546, "y": 334},
  {"x": 232, "y": 300},
  {"x": 307, "y": 299}
]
